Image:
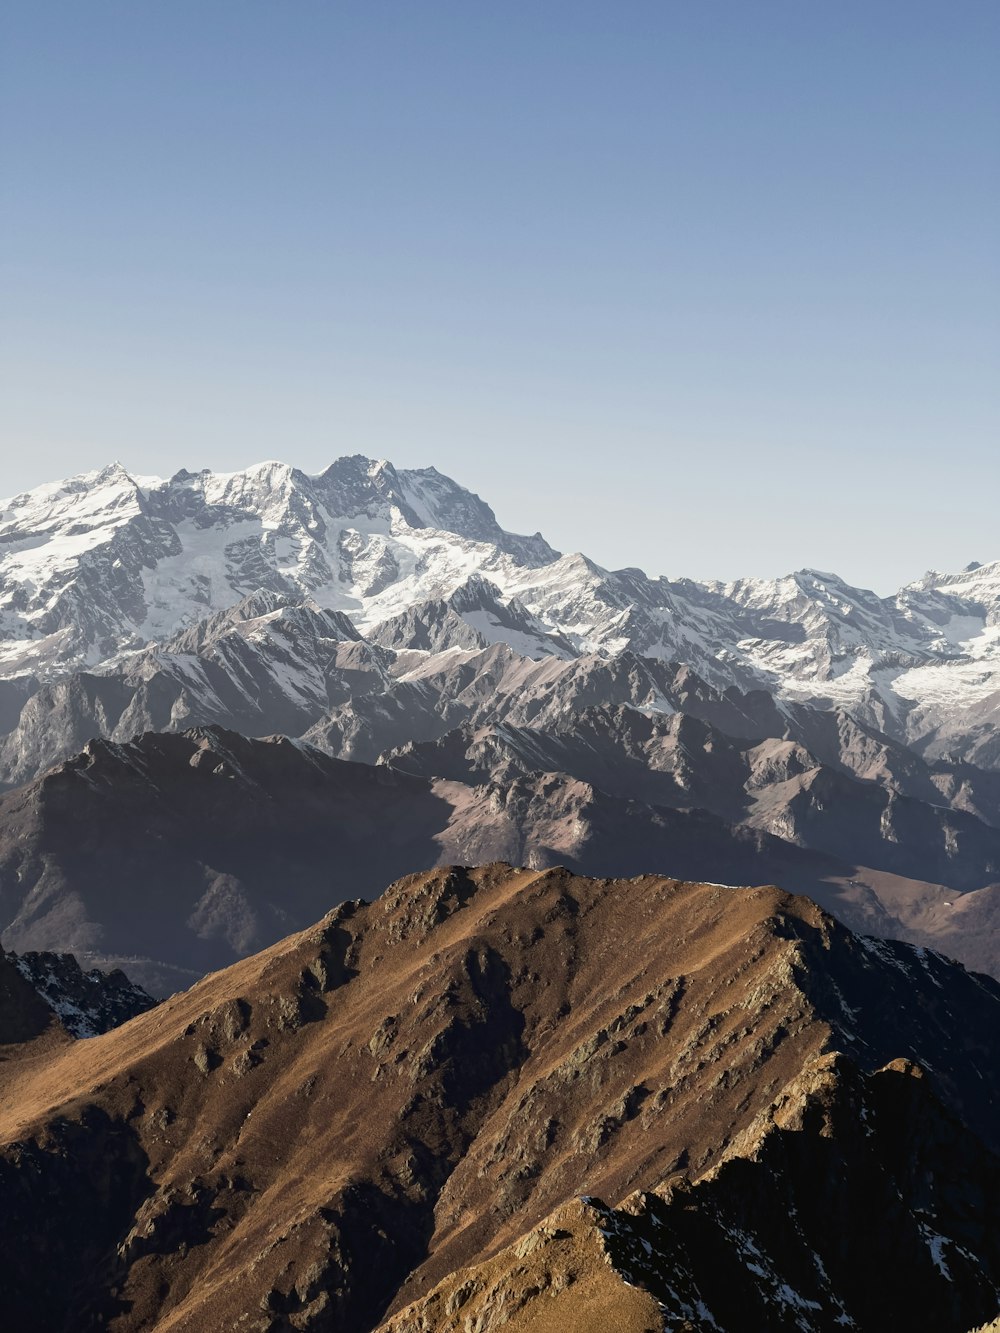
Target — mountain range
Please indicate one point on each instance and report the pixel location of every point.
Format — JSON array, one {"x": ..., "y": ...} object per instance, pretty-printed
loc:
[
  {"x": 517, "y": 703},
  {"x": 581, "y": 1065},
  {"x": 105, "y": 565}
]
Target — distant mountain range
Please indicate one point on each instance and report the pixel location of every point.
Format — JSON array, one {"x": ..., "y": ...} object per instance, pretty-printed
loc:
[
  {"x": 530, "y": 706},
  {"x": 105, "y": 565}
]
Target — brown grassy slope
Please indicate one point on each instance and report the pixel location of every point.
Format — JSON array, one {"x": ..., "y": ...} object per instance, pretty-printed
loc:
[{"x": 325, "y": 1130}]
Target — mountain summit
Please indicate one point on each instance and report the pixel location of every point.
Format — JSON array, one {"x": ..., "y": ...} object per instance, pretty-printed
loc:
[{"x": 105, "y": 562}]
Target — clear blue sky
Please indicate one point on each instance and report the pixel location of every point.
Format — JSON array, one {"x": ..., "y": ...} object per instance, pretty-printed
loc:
[{"x": 708, "y": 287}]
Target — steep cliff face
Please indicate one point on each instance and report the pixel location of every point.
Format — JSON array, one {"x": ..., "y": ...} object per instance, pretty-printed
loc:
[
  {"x": 855, "y": 1201},
  {"x": 516, "y": 1098}
]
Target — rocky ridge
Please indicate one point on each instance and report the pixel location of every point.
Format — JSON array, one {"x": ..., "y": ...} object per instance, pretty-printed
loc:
[
  {"x": 221, "y": 844},
  {"x": 86, "y": 1003},
  {"x": 444, "y": 1110},
  {"x": 236, "y": 840},
  {"x": 49, "y": 993}
]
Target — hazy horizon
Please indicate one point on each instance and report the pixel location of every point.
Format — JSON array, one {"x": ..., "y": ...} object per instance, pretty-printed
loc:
[{"x": 713, "y": 291}]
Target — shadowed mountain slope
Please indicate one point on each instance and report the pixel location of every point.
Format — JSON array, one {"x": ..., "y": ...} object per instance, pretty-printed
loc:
[
  {"x": 178, "y": 853},
  {"x": 49, "y": 994},
  {"x": 774, "y": 785}
]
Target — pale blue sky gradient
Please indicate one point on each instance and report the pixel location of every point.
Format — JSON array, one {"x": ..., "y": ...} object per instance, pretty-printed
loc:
[{"x": 711, "y": 288}]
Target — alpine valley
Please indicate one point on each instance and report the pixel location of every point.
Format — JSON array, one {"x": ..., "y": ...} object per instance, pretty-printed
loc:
[{"x": 409, "y": 928}]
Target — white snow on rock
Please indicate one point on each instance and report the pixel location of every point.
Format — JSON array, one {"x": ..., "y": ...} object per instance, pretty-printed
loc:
[{"x": 105, "y": 564}]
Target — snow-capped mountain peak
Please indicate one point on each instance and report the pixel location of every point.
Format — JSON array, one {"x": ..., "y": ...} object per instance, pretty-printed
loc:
[
  {"x": 108, "y": 564},
  {"x": 103, "y": 562}
]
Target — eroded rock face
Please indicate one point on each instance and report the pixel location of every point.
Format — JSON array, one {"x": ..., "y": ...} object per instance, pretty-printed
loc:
[
  {"x": 388, "y": 1121},
  {"x": 855, "y": 1201}
]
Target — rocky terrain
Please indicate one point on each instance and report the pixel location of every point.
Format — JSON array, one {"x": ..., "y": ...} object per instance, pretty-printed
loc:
[
  {"x": 50, "y": 994},
  {"x": 521, "y": 1099},
  {"x": 86, "y": 1003}
]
